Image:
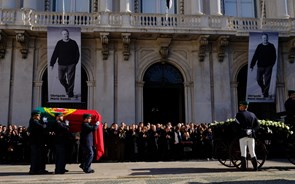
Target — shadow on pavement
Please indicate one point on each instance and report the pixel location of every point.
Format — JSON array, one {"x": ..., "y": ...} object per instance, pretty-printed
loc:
[
  {"x": 164, "y": 171},
  {"x": 247, "y": 182},
  {"x": 160, "y": 171}
]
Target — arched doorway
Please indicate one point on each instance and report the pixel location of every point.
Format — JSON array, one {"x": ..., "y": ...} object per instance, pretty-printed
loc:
[
  {"x": 84, "y": 92},
  {"x": 163, "y": 94},
  {"x": 262, "y": 110}
]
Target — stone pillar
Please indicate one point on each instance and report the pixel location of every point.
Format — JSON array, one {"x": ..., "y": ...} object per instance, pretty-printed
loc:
[
  {"x": 139, "y": 101},
  {"x": 234, "y": 97},
  {"x": 188, "y": 91},
  {"x": 90, "y": 94},
  {"x": 215, "y": 7},
  {"x": 8, "y": 4},
  {"x": 30, "y": 4},
  {"x": 37, "y": 93},
  {"x": 125, "y": 6},
  {"x": 282, "y": 7},
  {"x": 197, "y": 8},
  {"x": 105, "y": 6}
]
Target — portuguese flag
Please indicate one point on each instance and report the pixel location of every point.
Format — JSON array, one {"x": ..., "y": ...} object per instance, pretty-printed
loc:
[{"x": 75, "y": 118}]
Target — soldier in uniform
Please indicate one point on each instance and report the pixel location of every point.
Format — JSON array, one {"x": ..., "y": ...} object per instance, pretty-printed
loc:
[
  {"x": 247, "y": 124},
  {"x": 36, "y": 135},
  {"x": 86, "y": 143},
  {"x": 61, "y": 131},
  {"x": 290, "y": 108}
]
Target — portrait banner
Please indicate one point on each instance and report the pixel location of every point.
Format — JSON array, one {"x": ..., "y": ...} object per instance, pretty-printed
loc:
[
  {"x": 262, "y": 67},
  {"x": 64, "y": 64}
]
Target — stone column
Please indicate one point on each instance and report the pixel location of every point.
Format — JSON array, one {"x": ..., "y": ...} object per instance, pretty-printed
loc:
[
  {"x": 30, "y": 4},
  {"x": 215, "y": 7},
  {"x": 37, "y": 93},
  {"x": 197, "y": 8},
  {"x": 139, "y": 101},
  {"x": 125, "y": 6},
  {"x": 105, "y": 6},
  {"x": 90, "y": 94},
  {"x": 8, "y": 4},
  {"x": 188, "y": 91},
  {"x": 282, "y": 7},
  {"x": 234, "y": 97}
]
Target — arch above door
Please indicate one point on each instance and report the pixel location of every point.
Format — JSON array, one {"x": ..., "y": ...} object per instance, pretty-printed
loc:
[{"x": 163, "y": 94}]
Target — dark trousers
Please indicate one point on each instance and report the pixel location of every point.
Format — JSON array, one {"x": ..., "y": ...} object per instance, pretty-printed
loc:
[
  {"x": 66, "y": 76},
  {"x": 60, "y": 158},
  {"x": 37, "y": 158},
  {"x": 264, "y": 78},
  {"x": 87, "y": 157}
]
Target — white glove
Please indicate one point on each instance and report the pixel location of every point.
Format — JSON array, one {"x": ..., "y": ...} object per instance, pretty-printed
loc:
[
  {"x": 67, "y": 122},
  {"x": 45, "y": 119},
  {"x": 249, "y": 131},
  {"x": 97, "y": 123}
]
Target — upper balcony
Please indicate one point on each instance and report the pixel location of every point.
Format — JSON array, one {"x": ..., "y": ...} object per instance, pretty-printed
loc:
[{"x": 27, "y": 19}]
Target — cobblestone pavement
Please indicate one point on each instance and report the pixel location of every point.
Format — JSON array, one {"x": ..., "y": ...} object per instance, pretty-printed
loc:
[{"x": 178, "y": 172}]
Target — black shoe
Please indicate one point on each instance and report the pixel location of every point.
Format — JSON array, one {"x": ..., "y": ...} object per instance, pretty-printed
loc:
[
  {"x": 44, "y": 172},
  {"x": 89, "y": 171},
  {"x": 81, "y": 166},
  {"x": 66, "y": 170},
  {"x": 33, "y": 173},
  {"x": 59, "y": 172},
  {"x": 71, "y": 95}
]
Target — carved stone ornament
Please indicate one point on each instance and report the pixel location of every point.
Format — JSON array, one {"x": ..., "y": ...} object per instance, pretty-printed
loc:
[
  {"x": 164, "y": 52},
  {"x": 105, "y": 45},
  {"x": 126, "y": 45},
  {"x": 222, "y": 43},
  {"x": 291, "y": 55},
  {"x": 3, "y": 44},
  {"x": 203, "y": 42},
  {"x": 23, "y": 39}
]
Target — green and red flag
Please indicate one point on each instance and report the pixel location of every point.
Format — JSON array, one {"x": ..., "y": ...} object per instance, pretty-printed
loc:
[{"x": 75, "y": 118}]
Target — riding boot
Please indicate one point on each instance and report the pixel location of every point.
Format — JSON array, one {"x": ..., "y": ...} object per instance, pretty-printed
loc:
[
  {"x": 243, "y": 163},
  {"x": 254, "y": 163}
]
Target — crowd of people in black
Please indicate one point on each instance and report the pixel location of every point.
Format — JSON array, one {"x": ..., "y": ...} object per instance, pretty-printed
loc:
[{"x": 135, "y": 142}]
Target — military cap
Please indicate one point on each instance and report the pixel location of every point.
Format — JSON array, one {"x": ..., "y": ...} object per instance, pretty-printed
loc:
[
  {"x": 290, "y": 92},
  {"x": 58, "y": 114},
  {"x": 35, "y": 112},
  {"x": 246, "y": 103},
  {"x": 85, "y": 116}
]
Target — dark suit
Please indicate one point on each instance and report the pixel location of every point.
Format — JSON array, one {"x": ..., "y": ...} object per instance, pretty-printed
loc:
[
  {"x": 86, "y": 143},
  {"x": 62, "y": 132},
  {"x": 37, "y": 143}
]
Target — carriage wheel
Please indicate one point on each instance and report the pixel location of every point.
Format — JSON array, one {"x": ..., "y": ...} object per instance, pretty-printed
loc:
[
  {"x": 291, "y": 152},
  {"x": 222, "y": 154},
  {"x": 235, "y": 154}
]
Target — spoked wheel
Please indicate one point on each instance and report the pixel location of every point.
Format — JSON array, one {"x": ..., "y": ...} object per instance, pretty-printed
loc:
[
  {"x": 291, "y": 153},
  {"x": 222, "y": 154},
  {"x": 235, "y": 154}
]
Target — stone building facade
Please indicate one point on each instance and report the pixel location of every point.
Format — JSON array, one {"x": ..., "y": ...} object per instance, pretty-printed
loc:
[{"x": 143, "y": 64}]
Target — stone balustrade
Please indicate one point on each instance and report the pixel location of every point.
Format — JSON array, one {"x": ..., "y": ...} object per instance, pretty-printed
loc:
[{"x": 39, "y": 21}]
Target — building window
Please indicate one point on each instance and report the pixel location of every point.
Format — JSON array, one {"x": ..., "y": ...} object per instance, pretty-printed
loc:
[
  {"x": 239, "y": 8},
  {"x": 71, "y": 5},
  {"x": 157, "y": 6}
]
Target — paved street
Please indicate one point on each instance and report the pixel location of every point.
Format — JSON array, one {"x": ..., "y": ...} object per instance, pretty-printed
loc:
[{"x": 180, "y": 172}]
